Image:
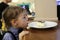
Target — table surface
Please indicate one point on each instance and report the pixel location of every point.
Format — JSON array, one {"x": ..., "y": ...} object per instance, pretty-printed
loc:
[{"x": 44, "y": 34}]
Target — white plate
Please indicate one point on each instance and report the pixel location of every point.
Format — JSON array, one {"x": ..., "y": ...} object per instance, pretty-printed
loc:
[{"x": 47, "y": 24}]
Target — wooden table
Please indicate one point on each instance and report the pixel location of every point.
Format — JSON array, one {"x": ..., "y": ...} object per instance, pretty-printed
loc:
[{"x": 43, "y": 34}]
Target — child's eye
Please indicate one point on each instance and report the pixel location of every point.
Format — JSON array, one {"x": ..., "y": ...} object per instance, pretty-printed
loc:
[{"x": 24, "y": 17}]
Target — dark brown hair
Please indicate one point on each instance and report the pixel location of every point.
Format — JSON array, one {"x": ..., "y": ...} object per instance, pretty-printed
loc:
[{"x": 10, "y": 13}]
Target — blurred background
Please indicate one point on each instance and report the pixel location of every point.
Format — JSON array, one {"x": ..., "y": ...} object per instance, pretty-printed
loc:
[{"x": 44, "y": 9}]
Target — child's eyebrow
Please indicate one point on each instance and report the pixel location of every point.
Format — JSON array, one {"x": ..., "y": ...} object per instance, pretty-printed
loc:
[{"x": 25, "y": 14}]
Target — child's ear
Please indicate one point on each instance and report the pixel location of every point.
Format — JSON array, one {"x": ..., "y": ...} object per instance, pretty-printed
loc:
[{"x": 13, "y": 22}]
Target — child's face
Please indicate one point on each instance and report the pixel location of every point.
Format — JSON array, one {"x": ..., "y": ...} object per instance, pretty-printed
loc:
[{"x": 22, "y": 20}]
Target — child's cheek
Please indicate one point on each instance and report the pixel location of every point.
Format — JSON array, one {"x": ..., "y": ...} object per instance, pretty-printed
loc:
[{"x": 26, "y": 24}]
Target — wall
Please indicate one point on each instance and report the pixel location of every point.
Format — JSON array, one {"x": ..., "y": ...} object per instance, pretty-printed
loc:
[{"x": 46, "y": 10}]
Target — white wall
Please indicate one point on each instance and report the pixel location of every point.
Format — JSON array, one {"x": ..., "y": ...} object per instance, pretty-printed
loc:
[{"x": 46, "y": 10}]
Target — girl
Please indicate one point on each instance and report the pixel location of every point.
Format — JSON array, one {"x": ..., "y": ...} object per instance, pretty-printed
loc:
[{"x": 15, "y": 18}]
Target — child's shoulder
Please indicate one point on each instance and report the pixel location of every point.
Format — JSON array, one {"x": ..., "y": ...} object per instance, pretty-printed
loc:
[{"x": 7, "y": 36}]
